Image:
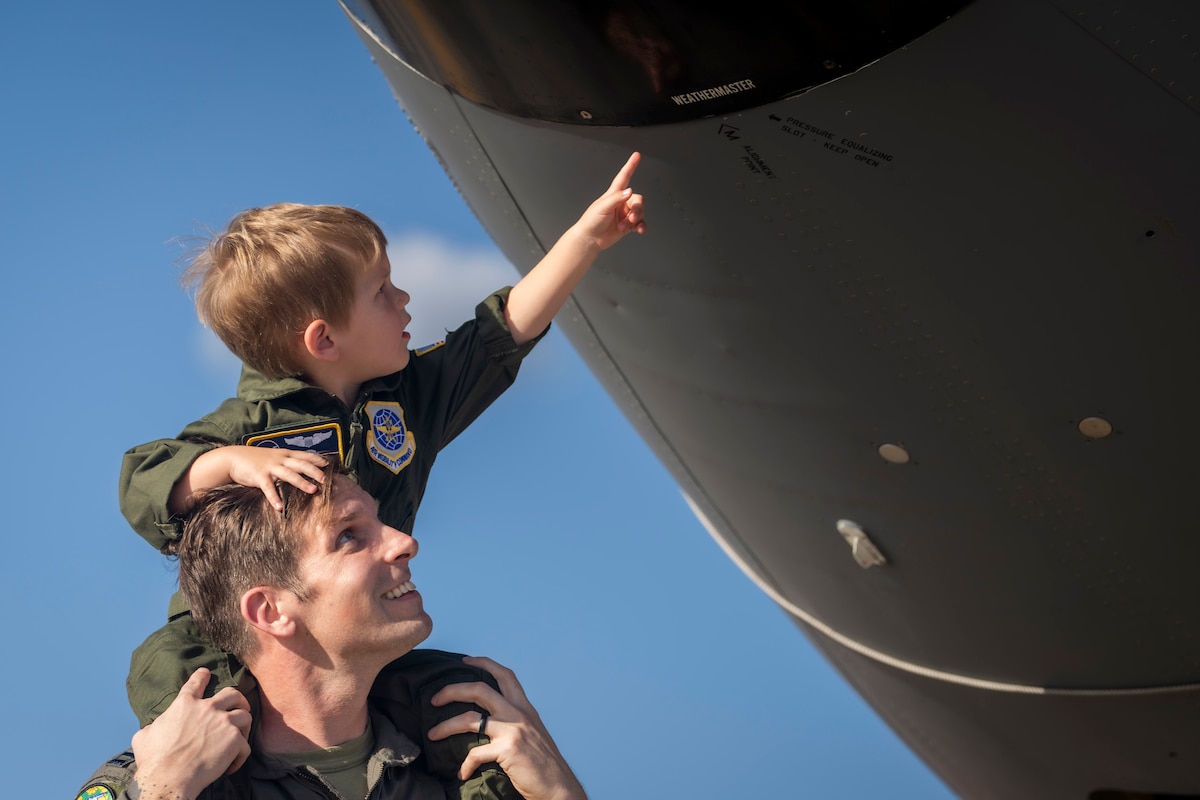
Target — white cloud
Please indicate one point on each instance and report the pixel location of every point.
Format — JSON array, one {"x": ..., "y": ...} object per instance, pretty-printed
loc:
[
  {"x": 446, "y": 281},
  {"x": 214, "y": 357}
]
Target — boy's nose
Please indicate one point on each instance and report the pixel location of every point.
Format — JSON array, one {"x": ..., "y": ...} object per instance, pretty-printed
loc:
[{"x": 402, "y": 297}]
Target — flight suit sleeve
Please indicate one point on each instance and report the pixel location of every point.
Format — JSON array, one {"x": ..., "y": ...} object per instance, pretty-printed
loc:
[
  {"x": 148, "y": 474},
  {"x": 460, "y": 378},
  {"x": 406, "y": 687},
  {"x": 150, "y": 471},
  {"x": 497, "y": 338},
  {"x": 111, "y": 781}
]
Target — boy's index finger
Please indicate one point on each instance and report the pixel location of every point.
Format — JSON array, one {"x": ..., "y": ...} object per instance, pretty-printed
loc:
[{"x": 622, "y": 180}]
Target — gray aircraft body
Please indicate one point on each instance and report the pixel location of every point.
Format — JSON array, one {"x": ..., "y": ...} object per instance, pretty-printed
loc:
[{"x": 915, "y": 329}]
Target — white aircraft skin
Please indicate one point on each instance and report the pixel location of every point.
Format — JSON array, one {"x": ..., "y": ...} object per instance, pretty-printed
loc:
[{"x": 918, "y": 341}]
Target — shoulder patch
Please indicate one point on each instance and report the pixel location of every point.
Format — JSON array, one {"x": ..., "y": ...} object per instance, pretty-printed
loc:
[
  {"x": 429, "y": 348},
  {"x": 324, "y": 439},
  {"x": 389, "y": 441},
  {"x": 110, "y": 780}
]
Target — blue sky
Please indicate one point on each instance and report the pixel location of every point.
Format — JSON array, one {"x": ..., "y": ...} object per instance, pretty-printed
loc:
[{"x": 551, "y": 539}]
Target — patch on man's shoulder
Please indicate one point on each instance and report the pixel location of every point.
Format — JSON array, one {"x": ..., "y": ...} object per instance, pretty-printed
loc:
[
  {"x": 429, "y": 348},
  {"x": 110, "y": 780},
  {"x": 389, "y": 441},
  {"x": 324, "y": 439}
]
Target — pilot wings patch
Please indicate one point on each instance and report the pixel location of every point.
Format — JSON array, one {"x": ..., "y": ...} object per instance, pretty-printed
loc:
[{"x": 324, "y": 439}]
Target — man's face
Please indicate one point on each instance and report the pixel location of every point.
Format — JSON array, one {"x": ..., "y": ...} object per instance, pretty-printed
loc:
[
  {"x": 360, "y": 598},
  {"x": 374, "y": 341}
]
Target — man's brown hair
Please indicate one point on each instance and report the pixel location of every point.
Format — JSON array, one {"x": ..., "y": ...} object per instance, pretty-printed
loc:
[
  {"x": 234, "y": 540},
  {"x": 274, "y": 270}
]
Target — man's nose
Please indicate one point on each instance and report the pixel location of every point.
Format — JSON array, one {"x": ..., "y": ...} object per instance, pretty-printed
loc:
[{"x": 398, "y": 544}]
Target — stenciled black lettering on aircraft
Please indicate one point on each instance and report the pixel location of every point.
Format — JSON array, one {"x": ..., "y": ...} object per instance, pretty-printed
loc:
[
  {"x": 798, "y": 128},
  {"x": 755, "y": 163}
]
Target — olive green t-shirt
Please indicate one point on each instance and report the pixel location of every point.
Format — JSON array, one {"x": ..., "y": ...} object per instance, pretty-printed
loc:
[{"x": 344, "y": 765}]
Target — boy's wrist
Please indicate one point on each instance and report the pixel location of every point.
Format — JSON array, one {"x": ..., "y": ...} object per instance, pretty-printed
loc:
[{"x": 581, "y": 236}]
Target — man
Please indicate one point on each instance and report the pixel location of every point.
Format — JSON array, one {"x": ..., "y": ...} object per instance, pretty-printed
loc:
[{"x": 318, "y": 602}]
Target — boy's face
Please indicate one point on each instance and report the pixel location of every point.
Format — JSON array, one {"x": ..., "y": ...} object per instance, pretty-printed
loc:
[{"x": 374, "y": 342}]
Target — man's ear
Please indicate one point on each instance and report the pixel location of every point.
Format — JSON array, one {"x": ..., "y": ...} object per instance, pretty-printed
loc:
[
  {"x": 318, "y": 341},
  {"x": 261, "y": 607}
]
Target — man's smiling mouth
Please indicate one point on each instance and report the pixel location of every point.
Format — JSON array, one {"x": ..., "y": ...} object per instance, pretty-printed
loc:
[{"x": 399, "y": 591}]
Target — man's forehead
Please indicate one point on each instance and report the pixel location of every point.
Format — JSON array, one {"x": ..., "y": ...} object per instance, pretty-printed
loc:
[
  {"x": 347, "y": 501},
  {"x": 351, "y": 501}
]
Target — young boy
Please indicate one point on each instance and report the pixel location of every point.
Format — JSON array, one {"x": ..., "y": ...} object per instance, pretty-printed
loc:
[{"x": 304, "y": 296}]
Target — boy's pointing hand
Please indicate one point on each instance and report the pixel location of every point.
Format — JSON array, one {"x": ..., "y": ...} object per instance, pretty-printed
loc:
[{"x": 618, "y": 211}]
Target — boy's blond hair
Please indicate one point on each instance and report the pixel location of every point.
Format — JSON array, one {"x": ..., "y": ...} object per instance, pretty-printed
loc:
[{"x": 274, "y": 270}]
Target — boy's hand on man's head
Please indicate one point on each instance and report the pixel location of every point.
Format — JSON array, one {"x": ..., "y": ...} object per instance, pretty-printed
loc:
[
  {"x": 264, "y": 466},
  {"x": 261, "y": 467},
  {"x": 616, "y": 212}
]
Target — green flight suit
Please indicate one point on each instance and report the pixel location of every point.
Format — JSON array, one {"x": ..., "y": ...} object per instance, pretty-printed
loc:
[
  {"x": 401, "y": 716},
  {"x": 389, "y": 441}
]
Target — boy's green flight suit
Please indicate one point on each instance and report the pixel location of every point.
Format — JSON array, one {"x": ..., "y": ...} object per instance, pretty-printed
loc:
[{"x": 389, "y": 440}]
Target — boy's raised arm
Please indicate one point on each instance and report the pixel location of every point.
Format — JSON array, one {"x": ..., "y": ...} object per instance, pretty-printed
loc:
[
  {"x": 248, "y": 466},
  {"x": 540, "y": 295},
  {"x": 158, "y": 478}
]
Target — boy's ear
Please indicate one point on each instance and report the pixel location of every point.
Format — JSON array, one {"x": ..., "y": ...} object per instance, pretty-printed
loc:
[
  {"x": 263, "y": 609},
  {"x": 318, "y": 341}
]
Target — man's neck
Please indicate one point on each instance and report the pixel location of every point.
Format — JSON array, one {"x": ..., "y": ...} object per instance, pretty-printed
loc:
[{"x": 307, "y": 708}]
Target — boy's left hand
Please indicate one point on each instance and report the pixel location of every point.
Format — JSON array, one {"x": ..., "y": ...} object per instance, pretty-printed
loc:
[{"x": 616, "y": 212}]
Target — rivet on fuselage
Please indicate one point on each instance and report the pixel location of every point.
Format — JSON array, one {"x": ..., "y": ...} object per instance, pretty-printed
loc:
[
  {"x": 894, "y": 454},
  {"x": 1095, "y": 427}
]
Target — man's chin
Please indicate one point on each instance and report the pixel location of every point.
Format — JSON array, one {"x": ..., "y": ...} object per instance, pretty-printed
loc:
[
  {"x": 428, "y": 629},
  {"x": 413, "y": 633}
]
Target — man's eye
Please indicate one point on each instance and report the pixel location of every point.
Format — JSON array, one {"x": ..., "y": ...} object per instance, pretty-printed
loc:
[{"x": 346, "y": 537}]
